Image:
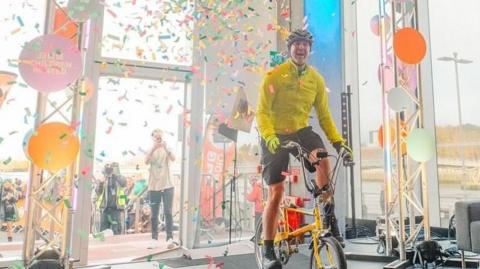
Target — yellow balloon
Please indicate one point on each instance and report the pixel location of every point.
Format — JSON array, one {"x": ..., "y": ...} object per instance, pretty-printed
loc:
[{"x": 53, "y": 146}]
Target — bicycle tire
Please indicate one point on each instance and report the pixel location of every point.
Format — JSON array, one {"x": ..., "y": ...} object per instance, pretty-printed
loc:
[
  {"x": 334, "y": 250},
  {"x": 258, "y": 242}
]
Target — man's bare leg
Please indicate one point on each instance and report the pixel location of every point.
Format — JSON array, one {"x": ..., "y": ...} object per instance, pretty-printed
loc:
[
  {"x": 270, "y": 216},
  {"x": 323, "y": 168}
]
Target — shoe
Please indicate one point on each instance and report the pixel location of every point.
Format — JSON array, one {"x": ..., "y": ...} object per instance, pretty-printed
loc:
[
  {"x": 270, "y": 261},
  {"x": 10, "y": 239},
  {"x": 170, "y": 244},
  {"x": 153, "y": 244}
]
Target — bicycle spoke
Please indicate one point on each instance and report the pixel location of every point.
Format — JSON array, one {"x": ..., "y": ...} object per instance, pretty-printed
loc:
[{"x": 330, "y": 255}]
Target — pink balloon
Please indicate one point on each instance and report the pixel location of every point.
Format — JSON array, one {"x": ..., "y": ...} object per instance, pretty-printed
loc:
[
  {"x": 50, "y": 63},
  {"x": 389, "y": 79},
  {"x": 375, "y": 24},
  {"x": 406, "y": 73},
  {"x": 407, "y": 76}
]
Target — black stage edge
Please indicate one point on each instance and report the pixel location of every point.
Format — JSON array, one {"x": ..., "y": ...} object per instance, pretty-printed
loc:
[
  {"x": 398, "y": 264},
  {"x": 457, "y": 262},
  {"x": 241, "y": 261},
  {"x": 365, "y": 257}
]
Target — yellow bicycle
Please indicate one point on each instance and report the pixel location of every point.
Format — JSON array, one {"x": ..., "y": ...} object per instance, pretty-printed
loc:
[{"x": 326, "y": 251}]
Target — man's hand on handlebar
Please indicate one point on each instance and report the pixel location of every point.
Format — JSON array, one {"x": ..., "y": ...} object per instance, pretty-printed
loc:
[
  {"x": 272, "y": 143},
  {"x": 347, "y": 151}
]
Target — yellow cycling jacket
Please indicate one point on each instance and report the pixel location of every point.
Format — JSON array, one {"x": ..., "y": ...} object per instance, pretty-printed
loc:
[{"x": 286, "y": 99}]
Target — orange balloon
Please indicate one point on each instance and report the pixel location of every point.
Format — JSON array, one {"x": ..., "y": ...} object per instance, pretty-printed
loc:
[
  {"x": 403, "y": 133},
  {"x": 53, "y": 146},
  {"x": 409, "y": 45}
]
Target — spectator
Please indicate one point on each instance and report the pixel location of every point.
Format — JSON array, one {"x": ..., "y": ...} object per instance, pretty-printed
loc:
[
  {"x": 111, "y": 199},
  {"x": 160, "y": 186},
  {"x": 21, "y": 188},
  {"x": 256, "y": 196},
  {"x": 130, "y": 210},
  {"x": 9, "y": 199}
]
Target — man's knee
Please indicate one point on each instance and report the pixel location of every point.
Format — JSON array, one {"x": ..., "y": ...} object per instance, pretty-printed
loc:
[
  {"x": 275, "y": 193},
  {"x": 323, "y": 166}
]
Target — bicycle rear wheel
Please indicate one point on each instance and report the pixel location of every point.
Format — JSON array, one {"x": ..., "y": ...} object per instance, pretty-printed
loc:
[
  {"x": 330, "y": 255},
  {"x": 258, "y": 243}
]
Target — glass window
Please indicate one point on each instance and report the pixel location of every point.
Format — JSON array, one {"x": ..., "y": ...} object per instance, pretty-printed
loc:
[
  {"x": 456, "y": 106},
  {"x": 148, "y": 31},
  {"x": 370, "y": 103},
  {"x": 218, "y": 166}
]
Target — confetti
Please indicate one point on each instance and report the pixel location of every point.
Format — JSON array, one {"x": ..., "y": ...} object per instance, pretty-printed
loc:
[
  {"x": 111, "y": 221},
  {"x": 17, "y": 265},
  {"x": 82, "y": 234},
  {"x": 67, "y": 203},
  {"x": 7, "y": 161},
  {"x": 20, "y": 21},
  {"x": 100, "y": 236}
]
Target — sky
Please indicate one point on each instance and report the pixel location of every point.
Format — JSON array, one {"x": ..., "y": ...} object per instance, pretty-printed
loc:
[{"x": 450, "y": 31}]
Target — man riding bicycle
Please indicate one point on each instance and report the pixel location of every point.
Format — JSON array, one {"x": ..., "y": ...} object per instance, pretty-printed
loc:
[{"x": 286, "y": 97}]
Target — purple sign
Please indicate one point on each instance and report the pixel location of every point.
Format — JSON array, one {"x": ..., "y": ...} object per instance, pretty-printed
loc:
[{"x": 50, "y": 63}]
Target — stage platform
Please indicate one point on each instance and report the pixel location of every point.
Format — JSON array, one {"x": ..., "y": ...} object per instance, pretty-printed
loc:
[
  {"x": 240, "y": 256},
  {"x": 235, "y": 256},
  {"x": 130, "y": 252}
]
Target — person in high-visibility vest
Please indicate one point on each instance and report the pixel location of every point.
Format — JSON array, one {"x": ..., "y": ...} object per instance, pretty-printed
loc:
[
  {"x": 111, "y": 198},
  {"x": 9, "y": 199}
]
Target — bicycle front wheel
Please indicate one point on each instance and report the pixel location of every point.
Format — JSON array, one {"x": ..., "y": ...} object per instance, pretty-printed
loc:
[
  {"x": 258, "y": 243},
  {"x": 329, "y": 255}
]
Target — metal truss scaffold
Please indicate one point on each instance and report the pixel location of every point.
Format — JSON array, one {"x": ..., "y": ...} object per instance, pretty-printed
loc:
[
  {"x": 48, "y": 219},
  {"x": 405, "y": 182}
]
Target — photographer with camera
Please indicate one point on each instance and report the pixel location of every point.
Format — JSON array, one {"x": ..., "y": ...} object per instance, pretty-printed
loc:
[
  {"x": 111, "y": 198},
  {"x": 160, "y": 187}
]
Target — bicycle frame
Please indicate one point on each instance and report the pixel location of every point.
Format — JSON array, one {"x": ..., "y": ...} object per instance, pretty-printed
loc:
[{"x": 316, "y": 228}]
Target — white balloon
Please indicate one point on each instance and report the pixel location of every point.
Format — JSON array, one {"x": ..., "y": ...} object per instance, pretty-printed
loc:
[
  {"x": 420, "y": 145},
  {"x": 398, "y": 99}
]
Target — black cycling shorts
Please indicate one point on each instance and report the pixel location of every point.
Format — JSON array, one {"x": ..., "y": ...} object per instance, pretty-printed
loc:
[{"x": 275, "y": 164}]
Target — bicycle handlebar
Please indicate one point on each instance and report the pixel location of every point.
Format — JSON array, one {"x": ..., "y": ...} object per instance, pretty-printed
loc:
[
  {"x": 292, "y": 144},
  {"x": 312, "y": 186}
]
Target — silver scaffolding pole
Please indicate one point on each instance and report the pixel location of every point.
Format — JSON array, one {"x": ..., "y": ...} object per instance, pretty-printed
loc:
[{"x": 57, "y": 215}]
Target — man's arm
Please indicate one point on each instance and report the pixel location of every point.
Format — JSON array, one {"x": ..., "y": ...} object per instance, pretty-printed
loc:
[
  {"x": 121, "y": 180},
  {"x": 170, "y": 155},
  {"x": 324, "y": 116},
  {"x": 264, "y": 107},
  {"x": 99, "y": 187},
  {"x": 148, "y": 158}
]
